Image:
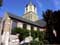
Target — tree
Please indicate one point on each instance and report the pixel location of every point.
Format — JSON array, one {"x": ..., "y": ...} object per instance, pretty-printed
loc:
[
  {"x": 48, "y": 17},
  {"x": 56, "y": 20},
  {"x": 1, "y": 2},
  {"x": 52, "y": 23}
]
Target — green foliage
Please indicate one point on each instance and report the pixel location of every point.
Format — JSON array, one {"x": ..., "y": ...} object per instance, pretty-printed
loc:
[
  {"x": 41, "y": 36},
  {"x": 35, "y": 34},
  {"x": 1, "y": 2},
  {"x": 22, "y": 32},
  {"x": 52, "y": 19},
  {"x": 34, "y": 43},
  {"x": 48, "y": 17}
]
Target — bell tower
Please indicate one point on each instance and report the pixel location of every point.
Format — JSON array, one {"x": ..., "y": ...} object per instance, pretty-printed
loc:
[
  {"x": 30, "y": 12},
  {"x": 30, "y": 8}
]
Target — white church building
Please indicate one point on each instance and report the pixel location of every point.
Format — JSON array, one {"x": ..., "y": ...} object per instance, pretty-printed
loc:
[{"x": 30, "y": 20}]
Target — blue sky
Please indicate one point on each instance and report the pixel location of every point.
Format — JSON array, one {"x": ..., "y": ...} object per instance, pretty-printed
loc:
[{"x": 17, "y": 6}]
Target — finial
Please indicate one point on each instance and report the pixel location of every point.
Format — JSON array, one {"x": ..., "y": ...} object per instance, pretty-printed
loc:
[{"x": 30, "y": 2}]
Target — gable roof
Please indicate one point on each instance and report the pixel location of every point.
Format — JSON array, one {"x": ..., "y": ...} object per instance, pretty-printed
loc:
[
  {"x": 41, "y": 22},
  {"x": 38, "y": 23}
]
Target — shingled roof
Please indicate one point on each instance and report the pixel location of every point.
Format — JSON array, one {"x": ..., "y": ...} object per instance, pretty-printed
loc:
[
  {"x": 41, "y": 22},
  {"x": 38, "y": 23}
]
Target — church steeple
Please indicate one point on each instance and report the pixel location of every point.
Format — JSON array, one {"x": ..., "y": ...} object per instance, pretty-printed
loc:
[
  {"x": 30, "y": 2},
  {"x": 30, "y": 11},
  {"x": 30, "y": 7}
]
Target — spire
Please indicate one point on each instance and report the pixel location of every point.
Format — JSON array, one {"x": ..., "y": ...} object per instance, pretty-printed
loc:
[{"x": 30, "y": 2}]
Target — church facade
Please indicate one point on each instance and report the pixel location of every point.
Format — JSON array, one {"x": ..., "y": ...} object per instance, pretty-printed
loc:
[{"x": 29, "y": 21}]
